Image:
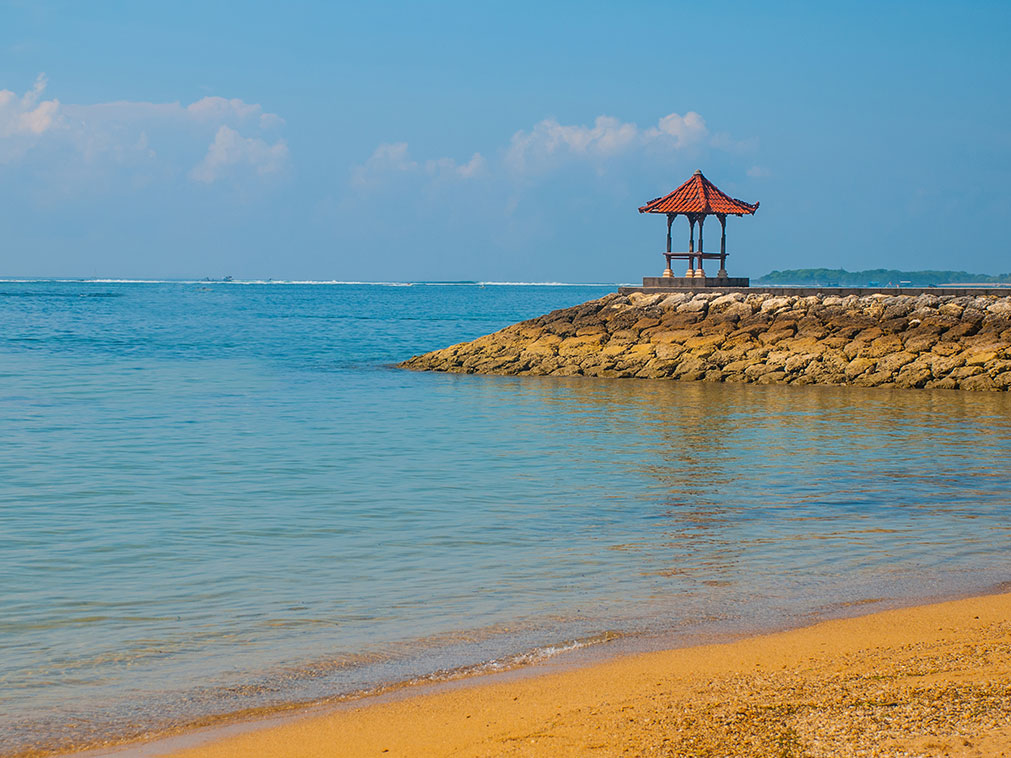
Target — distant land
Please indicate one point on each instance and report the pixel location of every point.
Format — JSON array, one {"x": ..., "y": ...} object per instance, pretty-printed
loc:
[{"x": 879, "y": 277}]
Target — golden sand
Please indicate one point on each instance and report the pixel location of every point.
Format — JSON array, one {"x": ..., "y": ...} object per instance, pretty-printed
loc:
[{"x": 926, "y": 681}]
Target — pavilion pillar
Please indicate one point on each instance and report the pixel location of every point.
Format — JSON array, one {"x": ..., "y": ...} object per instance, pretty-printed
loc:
[
  {"x": 723, "y": 246},
  {"x": 691, "y": 246},
  {"x": 700, "y": 272},
  {"x": 670, "y": 220}
]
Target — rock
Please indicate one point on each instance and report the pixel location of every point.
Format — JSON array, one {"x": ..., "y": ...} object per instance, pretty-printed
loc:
[
  {"x": 580, "y": 345},
  {"x": 657, "y": 368},
  {"x": 858, "y": 366},
  {"x": 546, "y": 345},
  {"x": 756, "y": 370},
  {"x": 973, "y": 314},
  {"x": 641, "y": 352},
  {"x": 883, "y": 346},
  {"x": 672, "y": 301},
  {"x": 738, "y": 310},
  {"x": 641, "y": 299},
  {"x": 798, "y": 362},
  {"x": 704, "y": 341},
  {"x": 773, "y": 377},
  {"x": 689, "y": 368},
  {"x": 895, "y": 361},
  {"x": 667, "y": 351},
  {"x": 696, "y": 305},
  {"x": 565, "y": 370},
  {"x": 1002, "y": 381},
  {"x": 964, "y": 372},
  {"x": 721, "y": 303},
  {"x": 942, "y": 365},
  {"x": 1000, "y": 307},
  {"x": 962, "y": 329},
  {"x": 977, "y": 383},
  {"x": 645, "y": 323},
  {"x": 998, "y": 367},
  {"x": 913, "y": 375},
  {"x": 883, "y": 340},
  {"x": 777, "y": 358},
  {"x": 774, "y": 303},
  {"x": 661, "y": 334},
  {"x": 872, "y": 378},
  {"x": 947, "y": 348},
  {"x": 624, "y": 336},
  {"x": 779, "y": 332},
  {"x": 919, "y": 343},
  {"x": 898, "y": 308}
]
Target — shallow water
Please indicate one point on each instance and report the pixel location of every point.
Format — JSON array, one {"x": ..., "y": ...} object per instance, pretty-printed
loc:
[{"x": 221, "y": 496}]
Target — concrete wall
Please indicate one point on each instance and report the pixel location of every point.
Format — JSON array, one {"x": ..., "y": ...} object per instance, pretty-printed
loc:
[{"x": 827, "y": 291}]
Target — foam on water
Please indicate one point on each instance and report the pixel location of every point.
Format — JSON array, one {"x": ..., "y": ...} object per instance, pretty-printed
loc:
[
  {"x": 339, "y": 282},
  {"x": 219, "y": 498}
]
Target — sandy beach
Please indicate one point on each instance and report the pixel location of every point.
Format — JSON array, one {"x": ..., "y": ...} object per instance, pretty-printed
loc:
[{"x": 922, "y": 681}]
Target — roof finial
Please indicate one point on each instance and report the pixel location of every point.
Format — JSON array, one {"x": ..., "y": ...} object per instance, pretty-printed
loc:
[{"x": 698, "y": 172}]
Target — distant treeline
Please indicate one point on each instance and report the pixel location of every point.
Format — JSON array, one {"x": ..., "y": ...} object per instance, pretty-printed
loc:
[{"x": 827, "y": 277}]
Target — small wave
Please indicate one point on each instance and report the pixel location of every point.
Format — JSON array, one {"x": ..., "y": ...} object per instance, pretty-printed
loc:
[
  {"x": 317, "y": 282},
  {"x": 546, "y": 284},
  {"x": 517, "y": 660},
  {"x": 337, "y": 282}
]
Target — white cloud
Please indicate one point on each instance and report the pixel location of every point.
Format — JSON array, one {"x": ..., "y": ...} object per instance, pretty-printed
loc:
[
  {"x": 230, "y": 150},
  {"x": 447, "y": 167},
  {"x": 393, "y": 158},
  {"x": 549, "y": 146},
  {"x": 685, "y": 130},
  {"x": 25, "y": 115},
  {"x": 207, "y": 112},
  {"x": 138, "y": 133},
  {"x": 549, "y": 141},
  {"x": 387, "y": 159},
  {"x": 220, "y": 109}
]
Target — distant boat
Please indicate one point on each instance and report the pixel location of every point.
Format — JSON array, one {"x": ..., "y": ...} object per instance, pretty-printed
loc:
[{"x": 227, "y": 279}]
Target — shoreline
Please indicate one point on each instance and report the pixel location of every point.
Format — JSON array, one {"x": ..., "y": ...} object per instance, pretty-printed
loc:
[{"x": 308, "y": 728}]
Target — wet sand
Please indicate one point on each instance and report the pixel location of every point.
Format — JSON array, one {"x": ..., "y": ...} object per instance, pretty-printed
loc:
[{"x": 930, "y": 680}]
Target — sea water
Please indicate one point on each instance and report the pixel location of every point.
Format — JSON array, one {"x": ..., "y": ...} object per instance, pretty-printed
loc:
[{"x": 220, "y": 496}]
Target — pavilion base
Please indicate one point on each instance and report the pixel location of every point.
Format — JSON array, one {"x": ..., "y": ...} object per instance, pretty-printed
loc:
[{"x": 682, "y": 282}]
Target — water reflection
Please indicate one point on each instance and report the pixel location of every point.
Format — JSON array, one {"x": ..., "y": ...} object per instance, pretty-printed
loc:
[{"x": 788, "y": 492}]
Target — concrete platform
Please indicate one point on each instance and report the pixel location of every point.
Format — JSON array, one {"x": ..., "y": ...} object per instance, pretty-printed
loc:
[
  {"x": 715, "y": 285},
  {"x": 683, "y": 282}
]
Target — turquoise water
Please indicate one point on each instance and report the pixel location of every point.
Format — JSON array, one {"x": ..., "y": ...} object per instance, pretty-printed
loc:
[{"x": 220, "y": 496}]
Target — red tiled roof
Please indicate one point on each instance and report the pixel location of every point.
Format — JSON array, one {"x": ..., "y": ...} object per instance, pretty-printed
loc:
[{"x": 698, "y": 195}]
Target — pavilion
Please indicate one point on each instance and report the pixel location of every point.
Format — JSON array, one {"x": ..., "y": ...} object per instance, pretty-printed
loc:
[{"x": 696, "y": 199}]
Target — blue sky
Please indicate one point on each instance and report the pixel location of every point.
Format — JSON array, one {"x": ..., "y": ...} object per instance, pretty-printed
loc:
[{"x": 497, "y": 141}]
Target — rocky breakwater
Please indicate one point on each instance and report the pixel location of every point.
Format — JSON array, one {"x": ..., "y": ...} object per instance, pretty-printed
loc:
[{"x": 880, "y": 340}]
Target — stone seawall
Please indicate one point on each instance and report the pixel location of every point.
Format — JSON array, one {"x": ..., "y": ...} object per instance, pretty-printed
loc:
[{"x": 880, "y": 340}]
